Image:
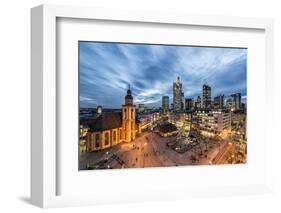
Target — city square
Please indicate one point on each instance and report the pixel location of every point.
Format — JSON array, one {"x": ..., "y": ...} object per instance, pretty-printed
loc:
[{"x": 150, "y": 150}]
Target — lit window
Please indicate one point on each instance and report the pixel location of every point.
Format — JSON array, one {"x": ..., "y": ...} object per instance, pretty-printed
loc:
[
  {"x": 106, "y": 139},
  {"x": 97, "y": 140},
  {"x": 114, "y": 136}
]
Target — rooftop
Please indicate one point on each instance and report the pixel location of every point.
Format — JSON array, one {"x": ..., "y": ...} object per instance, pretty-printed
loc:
[
  {"x": 107, "y": 120},
  {"x": 167, "y": 127}
]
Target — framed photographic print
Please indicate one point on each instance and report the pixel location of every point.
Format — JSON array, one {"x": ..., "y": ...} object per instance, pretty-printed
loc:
[
  {"x": 127, "y": 121},
  {"x": 148, "y": 105}
]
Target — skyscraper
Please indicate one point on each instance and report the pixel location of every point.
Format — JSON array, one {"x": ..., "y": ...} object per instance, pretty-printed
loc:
[
  {"x": 229, "y": 103},
  {"x": 198, "y": 103},
  {"x": 165, "y": 103},
  {"x": 206, "y": 94},
  {"x": 189, "y": 104},
  {"x": 219, "y": 102},
  {"x": 236, "y": 101},
  {"x": 178, "y": 96}
]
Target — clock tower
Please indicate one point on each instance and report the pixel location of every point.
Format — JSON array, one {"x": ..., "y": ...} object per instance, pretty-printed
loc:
[{"x": 129, "y": 117}]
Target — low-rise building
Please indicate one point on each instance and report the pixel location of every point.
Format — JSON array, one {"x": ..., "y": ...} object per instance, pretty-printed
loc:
[
  {"x": 141, "y": 108},
  {"x": 82, "y": 139},
  {"x": 167, "y": 129},
  {"x": 211, "y": 122}
]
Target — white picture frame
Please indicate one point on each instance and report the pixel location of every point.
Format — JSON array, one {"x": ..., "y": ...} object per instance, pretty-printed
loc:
[{"x": 44, "y": 154}]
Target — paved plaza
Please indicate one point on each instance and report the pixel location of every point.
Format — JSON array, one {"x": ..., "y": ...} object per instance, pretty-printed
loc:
[{"x": 151, "y": 150}]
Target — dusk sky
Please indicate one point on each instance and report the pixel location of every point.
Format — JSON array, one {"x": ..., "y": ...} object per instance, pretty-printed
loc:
[{"x": 106, "y": 69}]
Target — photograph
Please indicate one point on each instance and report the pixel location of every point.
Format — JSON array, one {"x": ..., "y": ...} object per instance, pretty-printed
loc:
[{"x": 161, "y": 105}]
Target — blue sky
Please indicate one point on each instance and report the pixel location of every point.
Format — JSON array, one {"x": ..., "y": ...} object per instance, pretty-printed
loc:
[{"x": 106, "y": 69}]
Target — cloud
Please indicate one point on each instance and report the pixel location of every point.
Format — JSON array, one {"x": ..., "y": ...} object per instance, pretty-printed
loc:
[{"x": 106, "y": 69}]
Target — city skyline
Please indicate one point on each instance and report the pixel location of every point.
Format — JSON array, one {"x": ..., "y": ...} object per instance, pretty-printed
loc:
[{"x": 152, "y": 69}]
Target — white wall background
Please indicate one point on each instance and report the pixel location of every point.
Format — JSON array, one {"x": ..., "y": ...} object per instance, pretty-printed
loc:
[{"x": 15, "y": 104}]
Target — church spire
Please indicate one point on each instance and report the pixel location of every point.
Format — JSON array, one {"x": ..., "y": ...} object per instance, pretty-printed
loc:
[
  {"x": 129, "y": 92},
  {"x": 129, "y": 97}
]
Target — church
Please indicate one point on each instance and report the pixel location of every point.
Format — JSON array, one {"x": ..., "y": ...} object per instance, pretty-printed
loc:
[{"x": 112, "y": 128}]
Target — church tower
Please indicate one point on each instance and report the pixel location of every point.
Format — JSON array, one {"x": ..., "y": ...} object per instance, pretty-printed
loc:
[{"x": 129, "y": 117}]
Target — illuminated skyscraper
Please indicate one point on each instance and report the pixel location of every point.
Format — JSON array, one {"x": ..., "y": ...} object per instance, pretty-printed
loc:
[
  {"x": 206, "y": 94},
  {"x": 178, "y": 96}
]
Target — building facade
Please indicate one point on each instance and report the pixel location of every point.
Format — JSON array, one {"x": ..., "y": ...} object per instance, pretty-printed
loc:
[
  {"x": 206, "y": 94},
  {"x": 178, "y": 96},
  {"x": 129, "y": 117},
  {"x": 141, "y": 108},
  {"x": 112, "y": 128},
  {"x": 236, "y": 101},
  {"x": 189, "y": 105},
  {"x": 197, "y": 104},
  {"x": 228, "y": 104},
  {"x": 211, "y": 122},
  {"x": 218, "y": 102},
  {"x": 83, "y": 130},
  {"x": 165, "y": 103}
]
